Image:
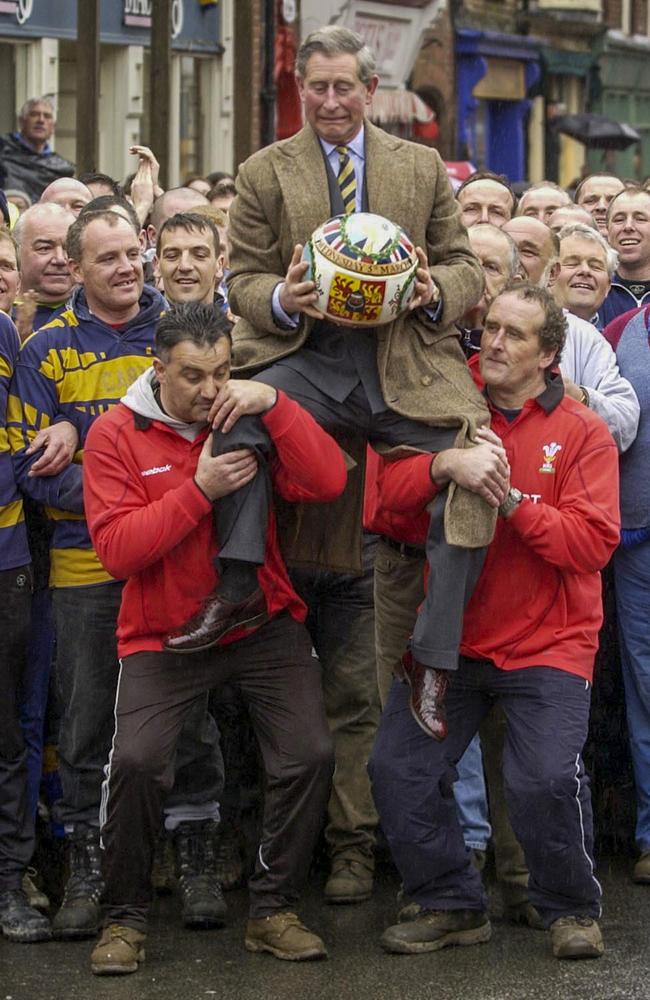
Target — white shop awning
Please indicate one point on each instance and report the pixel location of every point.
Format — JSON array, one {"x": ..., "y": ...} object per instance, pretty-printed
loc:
[{"x": 399, "y": 106}]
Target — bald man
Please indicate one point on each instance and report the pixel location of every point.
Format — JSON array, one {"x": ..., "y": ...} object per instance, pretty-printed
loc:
[
  {"x": 181, "y": 199},
  {"x": 67, "y": 192},
  {"x": 538, "y": 248},
  {"x": 541, "y": 200},
  {"x": 569, "y": 214}
]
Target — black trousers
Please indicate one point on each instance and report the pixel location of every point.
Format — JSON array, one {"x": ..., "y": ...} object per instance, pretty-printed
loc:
[
  {"x": 453, "y": 571},
  {"x": 16, "y": 818},
  {"x": 280, "y": 683}
]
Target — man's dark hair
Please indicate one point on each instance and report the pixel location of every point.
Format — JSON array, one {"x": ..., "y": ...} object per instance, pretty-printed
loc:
[
  {"x": 225, "y": 186},
  {"x": 190, "y": 222},
  {"x": 216, "y": 176},
  {"x": 488, "y": 175},
  {"x": 552, "y": 333},
  {"x": 107, "y": 202},
  {"x": 200, "y": 324},
  {"x": 94, "y": 177},
  {"x": 74, "y": 238}
]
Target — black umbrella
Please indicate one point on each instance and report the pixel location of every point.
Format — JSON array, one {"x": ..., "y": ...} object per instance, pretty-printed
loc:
[{"x": 597, "y": 131}]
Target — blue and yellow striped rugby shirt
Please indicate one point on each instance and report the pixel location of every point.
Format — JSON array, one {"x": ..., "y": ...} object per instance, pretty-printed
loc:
[
  {"x": 14, "y": 550},
  {"x": 74, "y": 368}
]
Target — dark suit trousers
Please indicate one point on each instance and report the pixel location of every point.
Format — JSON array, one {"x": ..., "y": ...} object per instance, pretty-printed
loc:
[{"x": 453, "y": 571}]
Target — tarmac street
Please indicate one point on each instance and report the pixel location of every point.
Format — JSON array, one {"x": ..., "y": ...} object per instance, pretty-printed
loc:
[{"x": 212, "y": 965}]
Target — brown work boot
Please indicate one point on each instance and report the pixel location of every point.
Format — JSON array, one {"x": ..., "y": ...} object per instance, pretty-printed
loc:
[
  {"x": 118, "y": 951},
  {"x": 523, "y": 913},
  {"x": 641, "y": 872},
  {"x": 283, "y": 935},
  {"x": 428, "y": 690},
  {"x": 576, "y": 937},
  {"x": 350, "y": 881},
  {"x": 432, "y": 930}
]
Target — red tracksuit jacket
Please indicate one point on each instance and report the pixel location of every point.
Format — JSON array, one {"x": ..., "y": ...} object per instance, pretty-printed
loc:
[
  {"x": 151, "y": 524},
  {"x": 538, "y": 600}
]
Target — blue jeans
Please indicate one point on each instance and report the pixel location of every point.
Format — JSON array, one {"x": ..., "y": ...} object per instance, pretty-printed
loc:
[
  {"x": 471, "y": 798},
  {"x": 547, "y": 791},
  {"x": 86, "y": 672},
  {"x": 632, "y": 580}
]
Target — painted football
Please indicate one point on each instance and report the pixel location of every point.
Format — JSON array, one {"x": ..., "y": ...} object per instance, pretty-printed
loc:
[{"x": 364, "y": 268}]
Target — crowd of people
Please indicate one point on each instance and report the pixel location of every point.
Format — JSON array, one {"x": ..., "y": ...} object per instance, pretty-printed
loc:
[{"x": 387, "y": 543}]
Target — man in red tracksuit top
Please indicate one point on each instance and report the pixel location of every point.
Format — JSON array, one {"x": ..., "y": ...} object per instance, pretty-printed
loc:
[
  {"x": 530, "y": 635},
  {"x": 150, "y": 482}
]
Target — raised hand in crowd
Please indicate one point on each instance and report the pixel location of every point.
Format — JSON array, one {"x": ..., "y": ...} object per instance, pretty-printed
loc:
[{"x": 145, "y": 187}]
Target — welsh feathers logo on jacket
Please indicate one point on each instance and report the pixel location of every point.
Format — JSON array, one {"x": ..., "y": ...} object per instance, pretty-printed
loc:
[{"x": 550, "y": 454}]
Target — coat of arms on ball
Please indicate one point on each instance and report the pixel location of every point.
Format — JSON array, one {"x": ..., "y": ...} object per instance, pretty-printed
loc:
[{"x": 364, "y": 269}]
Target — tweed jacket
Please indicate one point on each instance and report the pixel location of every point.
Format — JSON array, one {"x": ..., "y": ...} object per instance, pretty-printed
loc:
[{"x": 282, "y": 196}]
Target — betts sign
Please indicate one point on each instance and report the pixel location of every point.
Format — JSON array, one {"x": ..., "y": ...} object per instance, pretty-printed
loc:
[{"x": 137, "y": 14}]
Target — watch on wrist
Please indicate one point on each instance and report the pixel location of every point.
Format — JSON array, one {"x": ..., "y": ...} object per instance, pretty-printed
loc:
[
  {"x": 511, "y": 502},
  {"x": 584, "y": 395}
]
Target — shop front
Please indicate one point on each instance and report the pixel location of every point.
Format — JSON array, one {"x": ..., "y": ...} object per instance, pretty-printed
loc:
[
  {"x": 495, "y": 73},
  {"x": 38, "y": 45}
]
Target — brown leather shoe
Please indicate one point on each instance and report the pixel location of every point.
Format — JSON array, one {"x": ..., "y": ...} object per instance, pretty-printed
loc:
[
  {"x": 428, "y": 689},
  {"x": 215, "y": 619}
]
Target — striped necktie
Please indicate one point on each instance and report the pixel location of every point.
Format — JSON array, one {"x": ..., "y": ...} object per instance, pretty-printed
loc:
[{"x": 347, "y": 180}]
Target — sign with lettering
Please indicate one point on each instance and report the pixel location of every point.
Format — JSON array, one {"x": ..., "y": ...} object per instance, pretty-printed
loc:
[
  {"x": 195, "y": 27},
  {"x": 137, "y": 14}
]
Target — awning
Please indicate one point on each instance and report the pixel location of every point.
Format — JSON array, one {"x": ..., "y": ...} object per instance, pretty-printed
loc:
[
  {"x": 562, "y": 62},
  {"x": 401, "y": 106}
]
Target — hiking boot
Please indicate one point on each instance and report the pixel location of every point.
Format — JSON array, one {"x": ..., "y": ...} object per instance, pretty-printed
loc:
[
  {"x": 641, "y": 872},
  {"x": 228, "y": 862},
  {"x": 350, "y": 881},
  {"x": 79, "y": 914},
  {"x": 35, "y": 896},
  {"x": 21, "y": 922},
  {"x": 576, "y": 937},
  {"x": 118, "y": 951},
  {"x": 524, "y": 914},
  {"x": 436, "y": 929},
  {"x": 283, "y": 935},
  {"x": 202, "y": 900}
]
